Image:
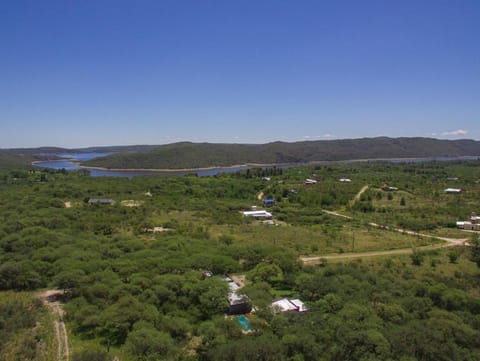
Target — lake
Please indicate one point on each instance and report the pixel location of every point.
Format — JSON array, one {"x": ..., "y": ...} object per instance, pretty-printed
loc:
[{"x": 68, "y": 163}]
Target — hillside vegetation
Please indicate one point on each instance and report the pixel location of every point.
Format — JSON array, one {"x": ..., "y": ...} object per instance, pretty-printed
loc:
[
  {"x": 198, "y": 155},
  {"x": 135, "y": 295}
]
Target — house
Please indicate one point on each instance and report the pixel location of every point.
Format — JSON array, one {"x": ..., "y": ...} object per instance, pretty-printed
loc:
[
  {"x": 268, "y": 202},
  {"x": 310, "y": 181},
  {"x": 453, "y": 190},
  {"x": 389, "y": 189},
  {"x": 472, "y": 225},
  {"x": 238, "y": 304},
  {"x": 345, "y": 180},
  {"x": 286, "y": 305},
  {"x": 452, "y": 178},
  {"x": 258, "y": 214},
  {"x": 101, "y": 201}
]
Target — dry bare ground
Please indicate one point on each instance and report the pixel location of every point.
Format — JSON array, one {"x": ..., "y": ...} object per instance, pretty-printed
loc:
[{"x": 50, "y": 299}]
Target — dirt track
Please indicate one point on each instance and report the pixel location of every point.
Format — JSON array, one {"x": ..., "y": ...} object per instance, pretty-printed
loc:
[
  {"x": 50, "y": 299},
  {"x": 311, "y": 261},
  {"x": 359, "y": 194},
  {"x": 450, "y": 242}
]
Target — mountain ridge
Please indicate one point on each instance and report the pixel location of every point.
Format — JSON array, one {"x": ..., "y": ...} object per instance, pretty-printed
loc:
[{"x": 200, "y": 155}]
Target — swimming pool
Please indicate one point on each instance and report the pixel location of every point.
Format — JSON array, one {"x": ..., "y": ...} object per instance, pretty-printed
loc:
[{"x": 243, "y": 321}]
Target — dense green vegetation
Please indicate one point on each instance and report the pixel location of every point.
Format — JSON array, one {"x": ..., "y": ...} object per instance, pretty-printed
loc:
[
  {"x": 141, "y": 295},
  {"x": 197, "y": 155},
  {"x": 22, "y": 336}
]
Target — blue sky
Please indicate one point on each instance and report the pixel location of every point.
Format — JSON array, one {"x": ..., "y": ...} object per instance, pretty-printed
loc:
[{"x": 95, "y": 72}]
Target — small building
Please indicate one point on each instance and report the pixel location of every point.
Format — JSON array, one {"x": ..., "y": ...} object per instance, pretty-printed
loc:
[
  {"x": 453, "y": 190},
  {"x": 310, "y": 181},
  {"x": 101, "y": 201},
  {"x": 389, "y": 189},
  {"x": 258, "y": 214},
  {"x": 345, "y": 180},
  {"x": 238, "y": 304},
  {"x": 268, "y": 202},
  {"x": 452, "y": 178},
  {"x": 286, "y": 305},
  {"x": 472, "y": 225}
]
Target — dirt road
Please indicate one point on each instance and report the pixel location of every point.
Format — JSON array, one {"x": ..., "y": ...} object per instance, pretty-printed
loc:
[
  {"x": 449, "y": 242},
  {"x": 359, "y": 194},
  {"x": 312, "y": 261},
  {"x": 50, "y": 299}
]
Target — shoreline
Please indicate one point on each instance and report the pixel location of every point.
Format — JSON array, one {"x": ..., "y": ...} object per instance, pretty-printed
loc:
[{"x": 260, "y": 165}]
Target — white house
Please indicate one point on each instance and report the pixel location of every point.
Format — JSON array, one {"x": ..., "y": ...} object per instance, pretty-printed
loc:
[
  {"x": 310, "y": 181},
  {"x": 346, "y": 180}
]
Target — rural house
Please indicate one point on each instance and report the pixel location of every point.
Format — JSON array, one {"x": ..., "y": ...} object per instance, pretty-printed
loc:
[
  {"x": 286, "y": 305},
  {"x": 472, "y": 225},
  {"x": 238, "y": 304}
]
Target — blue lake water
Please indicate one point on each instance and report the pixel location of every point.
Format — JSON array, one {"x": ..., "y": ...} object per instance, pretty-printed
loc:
[{"x": 68, "y": 163}]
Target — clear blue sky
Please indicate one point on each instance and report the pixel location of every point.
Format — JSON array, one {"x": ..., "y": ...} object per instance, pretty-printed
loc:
[{"x": 95, "y": 72}]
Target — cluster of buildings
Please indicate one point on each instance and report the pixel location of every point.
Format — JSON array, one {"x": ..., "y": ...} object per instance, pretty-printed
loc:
[
  {"x": 472, "y": 225},
  {"x": 239, "y": 304}
]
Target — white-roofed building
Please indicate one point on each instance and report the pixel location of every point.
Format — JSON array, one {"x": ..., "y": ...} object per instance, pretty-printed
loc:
[
  {"x": 453, "y": 190},
  {"x": 258, "y": 214},
  {"x": 286, "y": 305}
]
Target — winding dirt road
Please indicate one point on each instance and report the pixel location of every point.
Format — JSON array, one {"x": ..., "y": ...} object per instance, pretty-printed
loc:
[
  {"x": 50, "y": 299},
  {"x": 449, "y": 242},
  {"x": 359, "y": 194}
]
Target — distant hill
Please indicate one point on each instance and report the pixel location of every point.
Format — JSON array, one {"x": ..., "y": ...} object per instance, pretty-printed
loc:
[
  {"x": 199, "y": 155},
  {"x": 22, "y": 158}
]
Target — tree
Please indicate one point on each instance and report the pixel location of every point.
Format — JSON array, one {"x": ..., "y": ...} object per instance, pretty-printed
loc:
[
  {"x": 146, "y": 343},
  {"x": 266, "y": 272},
  {"x": 475, "y": 249},
  {"x": 417, "y": 258}
]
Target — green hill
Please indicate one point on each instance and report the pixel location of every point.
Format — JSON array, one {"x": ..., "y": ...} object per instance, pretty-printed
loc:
[{"x": 198, "y": 155}]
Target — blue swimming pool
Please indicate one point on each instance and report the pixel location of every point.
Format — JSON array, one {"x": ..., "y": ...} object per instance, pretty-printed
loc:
[{"x": 244, "y": 323}]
